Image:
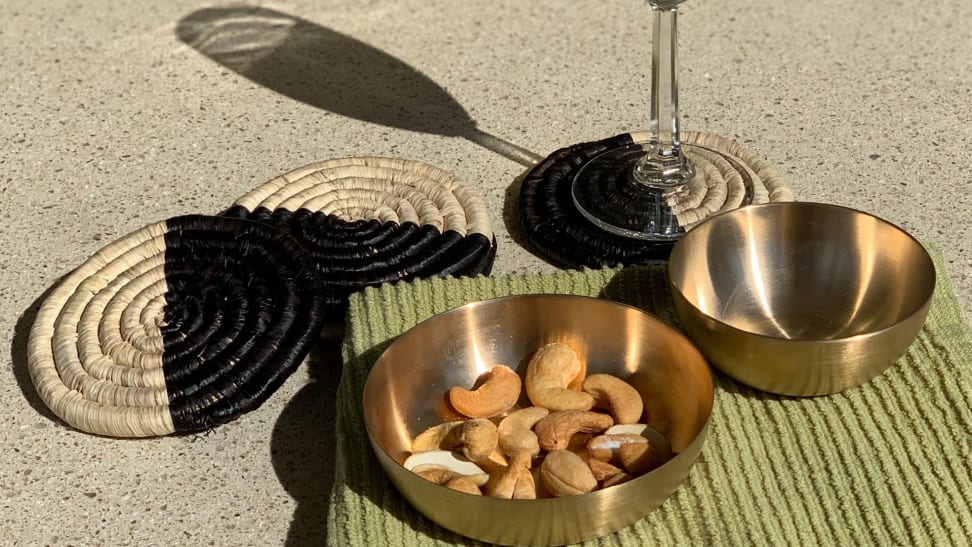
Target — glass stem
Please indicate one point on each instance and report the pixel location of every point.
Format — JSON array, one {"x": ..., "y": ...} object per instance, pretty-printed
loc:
[
  {"x": 664, "y": 165},
  {"x": 664, "y": 83}
]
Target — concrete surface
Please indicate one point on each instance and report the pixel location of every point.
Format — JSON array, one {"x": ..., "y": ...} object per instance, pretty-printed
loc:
[{"x": 117, "y": 114}]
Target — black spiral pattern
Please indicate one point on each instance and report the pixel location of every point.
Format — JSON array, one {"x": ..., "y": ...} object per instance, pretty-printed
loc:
[
  {"x": 727, "y": 176},
  {"x": 368, "y": 221},
  {"x": 180, "y": 326},
  {"x": 618, "y": 202},
  {"x": 555, "y": 227},
  {"x": 242, "y": 311}
]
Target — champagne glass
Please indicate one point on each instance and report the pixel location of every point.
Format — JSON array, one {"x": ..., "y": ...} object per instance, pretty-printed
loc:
[{"x": 625, "y": 190}]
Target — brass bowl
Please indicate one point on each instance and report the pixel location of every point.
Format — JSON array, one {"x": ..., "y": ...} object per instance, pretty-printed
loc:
[
  {"x": 405, "y": 394},
  {"x": 801, "y": 298}
]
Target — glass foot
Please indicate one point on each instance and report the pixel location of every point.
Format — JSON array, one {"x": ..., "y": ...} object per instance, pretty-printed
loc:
[{"x": 607, "y": 192}]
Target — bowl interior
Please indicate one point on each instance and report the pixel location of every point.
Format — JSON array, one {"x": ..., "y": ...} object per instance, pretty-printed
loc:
[
  {"x": 804, "y": 271},
  {"x": 405, "y": 393},
  {"x": 406, "y": 390}
]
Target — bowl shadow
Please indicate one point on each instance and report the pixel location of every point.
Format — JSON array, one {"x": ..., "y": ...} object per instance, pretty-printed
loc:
[
  {"x": 646, "y": 288},
  {"x": 655, "y": 297},
  {"x": 302, "y": 445}
]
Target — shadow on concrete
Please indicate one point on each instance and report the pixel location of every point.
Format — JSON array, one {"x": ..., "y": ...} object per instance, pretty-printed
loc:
[
  {"x": 511, "y": 218},
  {"x": 333, "y": 72},
  {"x": 18, "y": 355},
  {"x": 302, "y": 446},
  {"x": 303, "y": 451}
]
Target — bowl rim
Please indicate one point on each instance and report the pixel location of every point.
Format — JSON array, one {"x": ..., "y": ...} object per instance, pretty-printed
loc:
[
  {"x": 699, "y": 437},
  {"x": 919, "y": 311}
]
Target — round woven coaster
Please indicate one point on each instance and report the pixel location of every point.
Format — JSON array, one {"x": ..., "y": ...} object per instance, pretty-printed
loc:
[
  {"x": 370, "y": 220},
  {"x": 728, "y": 176},
  {"x": 177, "y": 327}
]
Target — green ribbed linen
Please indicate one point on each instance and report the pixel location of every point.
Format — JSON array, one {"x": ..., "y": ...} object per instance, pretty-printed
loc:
[{"x": 887, "y": 463}]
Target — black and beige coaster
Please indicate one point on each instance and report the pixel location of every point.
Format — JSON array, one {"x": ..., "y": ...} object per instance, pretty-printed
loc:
[
  {"x": 728, "y": 176},
  {"x": 364, "y": 221},
  {"x": 177, "y": 327}
]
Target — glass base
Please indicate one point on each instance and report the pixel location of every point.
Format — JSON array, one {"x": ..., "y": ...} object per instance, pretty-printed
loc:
[{"x": 607, "y": 193}]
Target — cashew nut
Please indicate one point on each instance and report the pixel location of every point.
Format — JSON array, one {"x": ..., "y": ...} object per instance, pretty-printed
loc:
[
  {"x": 479, "y": 438},
  {"x": 549, "y": 373},
  {"x": 615, "y": 395},
  {"x": 515, "y": 431},
  {"x": 495, "y": 460},
  {"x": 498, "y": 393},
  {"x": 577, "y": 382},
  {"x": 601, "y": 470},
  {"x": 467, "y": 483},
  {"x": 659, "y": 441},
  {"x": 583, "y": 448},
  {"x": 444, "y": 436},
  {"x": 444, "y": 476},
  {"x": 607, "y": 447},
  {"x": 444, "y": 458},
  {"x": 634, "y": 446},
  {"x": 554, "y": 431},
  {"x": 639, "y": 458},
  {"x": 565, "y": 474},
  {"x": 516, "y": 482},
  {"x": 439, "y": 474}
]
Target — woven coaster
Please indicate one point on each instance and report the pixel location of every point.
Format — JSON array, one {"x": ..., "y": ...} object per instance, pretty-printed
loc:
[
  {"x": 177, "y": 327},
  {"x": 728, "y": 176},
  {"x": 365, "y": 221}
]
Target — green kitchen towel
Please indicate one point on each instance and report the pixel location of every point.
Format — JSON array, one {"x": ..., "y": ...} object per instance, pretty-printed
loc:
[{"x": 887, "y": 463}]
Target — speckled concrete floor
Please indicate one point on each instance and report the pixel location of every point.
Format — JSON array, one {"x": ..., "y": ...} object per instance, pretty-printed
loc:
[{"x": 117, "y": 114}]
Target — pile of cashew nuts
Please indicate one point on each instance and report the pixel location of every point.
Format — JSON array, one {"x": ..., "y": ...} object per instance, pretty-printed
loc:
[{"x": 581, "y": 434}]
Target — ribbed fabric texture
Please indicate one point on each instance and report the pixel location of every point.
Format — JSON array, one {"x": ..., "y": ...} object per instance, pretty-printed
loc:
[{"x": 887, "y": 463}]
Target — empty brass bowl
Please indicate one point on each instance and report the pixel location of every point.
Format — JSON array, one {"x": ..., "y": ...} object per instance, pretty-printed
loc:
[
  {"x": 801, "y": 298},
  {"x": 405, "y": 393}
]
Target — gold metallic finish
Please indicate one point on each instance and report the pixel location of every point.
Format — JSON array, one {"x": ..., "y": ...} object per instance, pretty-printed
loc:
[
  {"x": 801, "y": 298},
  {"x": 405, "y": 394}
]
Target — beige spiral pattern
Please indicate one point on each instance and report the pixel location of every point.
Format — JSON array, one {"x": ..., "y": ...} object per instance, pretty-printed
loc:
[
  {"x": 385, "y": 189},
  {"x": 179, "y": 326},
  {"x": 95, "y": 349},
  {"x": 728, "y": 176}
]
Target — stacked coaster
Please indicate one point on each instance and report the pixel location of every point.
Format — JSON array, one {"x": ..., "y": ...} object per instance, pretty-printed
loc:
[
  {"x": 728, "y": 176},
  {"x": 177, "y": 327},
  {"x": 365, "y": 221},
  {"x": 190, "y": 322}
]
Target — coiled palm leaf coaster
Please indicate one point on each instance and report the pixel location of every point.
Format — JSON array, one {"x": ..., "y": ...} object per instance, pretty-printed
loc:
[
  {"x": 728, "y": 176},
  {"x": 365, "y": 221},
  {"x": 177, "y": 327}
]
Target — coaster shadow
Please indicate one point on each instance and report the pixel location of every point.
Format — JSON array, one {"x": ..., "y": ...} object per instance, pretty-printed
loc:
[
  {"x": 19, "y": 352},
  {"x": 511, "y": 218}
]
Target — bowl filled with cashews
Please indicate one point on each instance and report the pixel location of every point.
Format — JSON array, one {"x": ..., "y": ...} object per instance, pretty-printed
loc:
[{"x": 538, "y": 419}]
